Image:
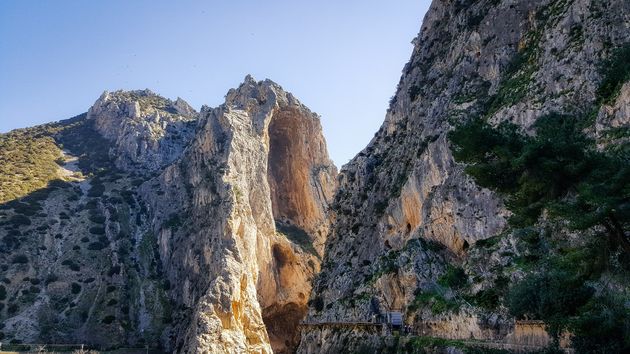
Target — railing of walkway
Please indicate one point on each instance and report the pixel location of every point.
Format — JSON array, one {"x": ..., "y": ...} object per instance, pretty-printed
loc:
[{"x": 72, "y": 348}]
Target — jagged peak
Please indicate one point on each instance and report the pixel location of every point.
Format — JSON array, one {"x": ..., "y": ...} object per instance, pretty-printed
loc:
[
  {"x": 128, "y": 94},
  {"x": 266, "y": 93},
  {"x": 141, "y": 103}
]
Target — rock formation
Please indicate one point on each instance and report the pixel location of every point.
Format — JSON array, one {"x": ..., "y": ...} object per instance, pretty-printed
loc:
[
  {"x": 145, "y": 222},
  {"x": 147, "y": 131},
  {"x": 247, "y": 169}
]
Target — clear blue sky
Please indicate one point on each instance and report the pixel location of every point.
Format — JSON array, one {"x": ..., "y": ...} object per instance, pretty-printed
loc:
[{"x": 342, "y": 58}]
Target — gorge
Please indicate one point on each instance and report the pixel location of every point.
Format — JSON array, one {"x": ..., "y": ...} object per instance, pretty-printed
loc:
[{"x": 491, "y": 209}]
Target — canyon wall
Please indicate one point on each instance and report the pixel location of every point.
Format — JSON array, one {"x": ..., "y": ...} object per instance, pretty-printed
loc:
[{"x": 406, "y": 214}]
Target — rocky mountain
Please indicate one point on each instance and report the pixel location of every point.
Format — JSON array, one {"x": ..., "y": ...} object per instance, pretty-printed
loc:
[
  {"x": 418, "y": 232},
  {"x": 144, "y": 222},
  {"x": 491, "y": 210}
]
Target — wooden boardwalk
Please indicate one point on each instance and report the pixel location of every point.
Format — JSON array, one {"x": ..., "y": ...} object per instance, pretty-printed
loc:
[
  {"x": 340, "y": 324},
  {"x": 490, "y": 344}
]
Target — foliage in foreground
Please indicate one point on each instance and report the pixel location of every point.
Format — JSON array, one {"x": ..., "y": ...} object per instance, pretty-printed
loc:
[{"x": 557, "y": 170}]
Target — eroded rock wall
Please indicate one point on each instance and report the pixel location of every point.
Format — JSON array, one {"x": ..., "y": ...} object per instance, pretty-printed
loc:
[
  {"x": 247, "y": 167},
  {"x": 405, "y": 211}
]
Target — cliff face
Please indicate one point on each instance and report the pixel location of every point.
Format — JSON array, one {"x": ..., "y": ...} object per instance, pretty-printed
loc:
[
  {"x": 238, "y": 272},
  {"x": 200, "y": 231},
  {"x": 406, "y": 213}
]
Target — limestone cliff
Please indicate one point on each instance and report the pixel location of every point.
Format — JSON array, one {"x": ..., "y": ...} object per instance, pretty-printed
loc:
[
  {"x": 194, "y": 232},
  {"x": 407, "y": 216},
  {"x": 237, "y": 272}
]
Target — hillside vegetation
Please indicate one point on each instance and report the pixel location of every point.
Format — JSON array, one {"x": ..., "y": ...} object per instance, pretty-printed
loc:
[{"x": 29, "y": 160}]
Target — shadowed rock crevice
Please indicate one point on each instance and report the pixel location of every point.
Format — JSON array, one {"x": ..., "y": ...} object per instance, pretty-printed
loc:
[
  {"x": 282, "y": 323},
  {"x": 299, "y": 172}
]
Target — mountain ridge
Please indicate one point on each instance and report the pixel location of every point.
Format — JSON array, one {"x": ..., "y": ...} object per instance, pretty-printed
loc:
[{"x": 148, "y": 175}]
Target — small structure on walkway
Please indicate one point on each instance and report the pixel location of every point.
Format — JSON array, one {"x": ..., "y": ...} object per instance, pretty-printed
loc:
[{"x": 394, "y": 320}]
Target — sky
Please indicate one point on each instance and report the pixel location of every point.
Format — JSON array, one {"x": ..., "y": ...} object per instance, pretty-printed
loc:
[{"x": 341, "y": 58}]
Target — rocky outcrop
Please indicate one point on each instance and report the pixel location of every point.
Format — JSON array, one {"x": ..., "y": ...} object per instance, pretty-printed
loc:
[
  {"x": 147, "y": 131},
  {"x": 405, "y": 211}
]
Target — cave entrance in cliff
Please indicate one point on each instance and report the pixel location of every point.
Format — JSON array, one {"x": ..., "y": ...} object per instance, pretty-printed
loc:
[{"x": 282, "y": 326}]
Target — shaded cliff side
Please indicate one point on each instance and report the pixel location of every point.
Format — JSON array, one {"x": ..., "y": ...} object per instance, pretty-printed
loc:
[{"x": 413, "y": 232}]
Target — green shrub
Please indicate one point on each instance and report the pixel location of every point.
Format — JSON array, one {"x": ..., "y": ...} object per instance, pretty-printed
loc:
[
  {"x": 297, "y": 235},
  {"x": 97, "y": 219},
  {"x": 558, "y": 169},
  {"x": 603, "y": 326},
  {"x": 20, "y": 259},
  {"x": 51, "y": 278},
  {"x": 20, "y": 220},
  {"x": 70, "y": 264},
  {"x": 96, "y": 246},
  {"x": 317, "y": 303},
  {"x": 12, "y": 308},
  {"x": 97, "y": 189},
  {"x": 420, "y": 344},
  {"x": 615, "y": 72},
  {"x": 27, "y": 161},
  {"x": 488, "y": 299},
  {"x": 97, "y": 230},
  {"x": 455, "y": 277},
  {"x": 114, "y": 270},
  {"x": 174, "y": 221},
  {"x": 554, "y": 295},
  {"x": 3, "y": 292},
  {"x": 75, "y": 288},
  {"x": 414, "y": 91},
  {"x": 437, "y": 303}
]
